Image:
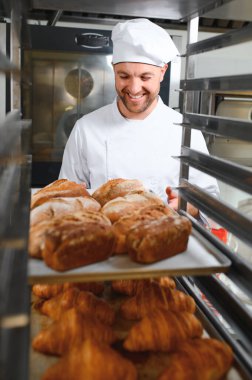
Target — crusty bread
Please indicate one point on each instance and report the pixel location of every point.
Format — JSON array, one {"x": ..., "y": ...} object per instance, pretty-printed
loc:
[
  {"x": 38, "y": 231},
  {"x": 58, "y": 188},
  {"x": 72, "y": 245},
  {"x": 123, "y": 225},
  {"x": 154, "y": 240},
  {"x": 59, "y": 206},
  {"x": 126, "y": 205},
  {"x": 117, "y": 188}
]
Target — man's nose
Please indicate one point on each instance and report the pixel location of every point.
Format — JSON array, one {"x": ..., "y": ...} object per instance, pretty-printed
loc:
[{"x": 135, "y": 86}]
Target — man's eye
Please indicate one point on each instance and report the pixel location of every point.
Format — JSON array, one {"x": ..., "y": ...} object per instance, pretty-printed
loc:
[
  {"x": 123, "y": 76},
  {"x": 145, "y": 78}
]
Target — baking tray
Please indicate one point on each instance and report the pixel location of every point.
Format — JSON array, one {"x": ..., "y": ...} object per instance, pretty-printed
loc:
[
  {"x": 149, "y": 365},
  {"x": 200, "y": 258}
]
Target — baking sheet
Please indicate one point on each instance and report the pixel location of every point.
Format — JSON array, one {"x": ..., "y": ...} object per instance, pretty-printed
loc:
[
  {"x": 149, "y": 365},
  {"x": 200, "y": 258}
]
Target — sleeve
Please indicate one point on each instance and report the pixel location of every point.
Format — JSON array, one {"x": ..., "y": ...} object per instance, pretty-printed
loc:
[{"x": 74, "y": 164}]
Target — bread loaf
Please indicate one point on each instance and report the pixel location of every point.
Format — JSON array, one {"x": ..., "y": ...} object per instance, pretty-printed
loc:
[
  {"x": 60, "y": 206},
  {"x": 38, "y": 231},
  {"x": 117, "y": 188},
  {"x": 123, "y": 225},
  {"x": 73, "y": 245},
  {"x": 155, "y": 240},
  {"x": 58, "y": 188},
  {"x": 126, "y": 205}
]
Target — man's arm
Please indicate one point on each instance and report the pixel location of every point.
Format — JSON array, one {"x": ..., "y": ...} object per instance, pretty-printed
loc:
[{"x": 172, "y": 199}]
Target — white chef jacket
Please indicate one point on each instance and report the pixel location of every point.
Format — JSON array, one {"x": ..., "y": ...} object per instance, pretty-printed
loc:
[{"x": 104, "y": 145}]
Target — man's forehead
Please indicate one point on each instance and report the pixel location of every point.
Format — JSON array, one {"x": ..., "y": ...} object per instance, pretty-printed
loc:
[{"x": 136, "y": 68}]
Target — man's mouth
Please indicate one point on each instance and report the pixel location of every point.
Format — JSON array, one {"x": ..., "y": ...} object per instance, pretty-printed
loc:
[{"x": 135, "y": 96}]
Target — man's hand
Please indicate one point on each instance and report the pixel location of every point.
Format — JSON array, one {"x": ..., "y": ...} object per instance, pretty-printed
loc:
[{"x": 172, "y": 199}]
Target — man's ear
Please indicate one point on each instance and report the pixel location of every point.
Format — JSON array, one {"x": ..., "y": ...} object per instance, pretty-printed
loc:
[{"x": 163, "y": 71}]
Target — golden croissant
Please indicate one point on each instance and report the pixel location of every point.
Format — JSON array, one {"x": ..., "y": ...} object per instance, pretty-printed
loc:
[
  {"x": 91, "y": 360},
  {"x": 199, "y": 359},
  {"x": 162, "y": 330},
  {"x": 71, "y": 329},
  {"x": 85, "y": 302},
  {"x": 51, "y": 290},
  {"x": 132, "y": 287},
  {"x": 155, "y": 296}
]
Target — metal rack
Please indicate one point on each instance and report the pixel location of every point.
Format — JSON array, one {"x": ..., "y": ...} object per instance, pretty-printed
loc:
[
  {"x": 15, "y": 196},
  {"x": 197, "y": 116}
]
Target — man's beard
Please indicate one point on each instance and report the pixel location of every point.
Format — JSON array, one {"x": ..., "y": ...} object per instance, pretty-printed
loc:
[{"x": 137, "y": 108}]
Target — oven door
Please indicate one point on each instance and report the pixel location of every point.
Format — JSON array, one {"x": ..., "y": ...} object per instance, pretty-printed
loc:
[{"x": 68, "y": 80}]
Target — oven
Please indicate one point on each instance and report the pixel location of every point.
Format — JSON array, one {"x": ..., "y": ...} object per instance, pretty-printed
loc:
[{"x": 70, "y": 75}]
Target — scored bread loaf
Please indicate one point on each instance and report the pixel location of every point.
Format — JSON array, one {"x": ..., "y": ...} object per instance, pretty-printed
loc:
[
  {"x": 60, "y": 206},
  {"x": 73, "y": 245},
  {"x": 155, "y": 240},
  {"x": 58, "y": 188},
  {"x": 126, "y": 205},
  {"x": 38, "y": 232},
  {"x": 117, "y": 188},
  {"x": 123, "y": 225}
]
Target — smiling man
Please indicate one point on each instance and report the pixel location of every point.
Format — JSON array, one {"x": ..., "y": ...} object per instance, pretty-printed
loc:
[{"x": 137, "y": 135}]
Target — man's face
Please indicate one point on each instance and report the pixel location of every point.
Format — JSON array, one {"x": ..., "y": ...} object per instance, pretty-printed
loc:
[{"x": 137, "y": 85}]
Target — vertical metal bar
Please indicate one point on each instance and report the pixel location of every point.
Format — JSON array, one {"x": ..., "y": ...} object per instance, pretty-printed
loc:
[
  {"x": 15, "y": 32},
  {"x": 188, "y": 106}
]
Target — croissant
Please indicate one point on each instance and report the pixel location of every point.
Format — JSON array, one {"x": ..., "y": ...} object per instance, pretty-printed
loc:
[
  {"x": 72, "y": 328},
  {"x": 162, "y": 330},
  {"x": 85, "y": 302},
  {"x": 199, "y": 359},
  {"x": 51, "y": 290},
  {"x": 91, "y": 360},
  {"x": 131, "y": 287},
  {"x": 156, "y": 296}
]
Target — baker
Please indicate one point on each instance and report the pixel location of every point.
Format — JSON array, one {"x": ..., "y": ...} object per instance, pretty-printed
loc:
[{"x": 136, "y": 136}]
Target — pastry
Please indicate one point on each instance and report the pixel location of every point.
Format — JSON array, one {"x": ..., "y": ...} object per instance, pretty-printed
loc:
[
  {"x": 47, "y": 291},
  {"x": 91, "y": 360},
  {"x": 199, "y": 359},
  {"x": 162, "y": 330},
  {"x": 72, "y": 328},
  {"x": 155, "y": 296},
  {"x": 83, "y": 301}
]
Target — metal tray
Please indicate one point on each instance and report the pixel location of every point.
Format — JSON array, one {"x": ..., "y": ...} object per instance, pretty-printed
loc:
[
  {"x": 200, "y": 258},
  {"x": 148, "y": 365}
]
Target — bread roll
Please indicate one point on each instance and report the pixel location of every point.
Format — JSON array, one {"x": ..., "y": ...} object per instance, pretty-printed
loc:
[
  {"x": 126, "y": 205},
  {"x": 117, "y": 188},
  {"x": 59, "y": 206},
  {"x": 123, "y": 225},
  {"x": 59, "y": 188},
  {"x": 155, "y": 240}
]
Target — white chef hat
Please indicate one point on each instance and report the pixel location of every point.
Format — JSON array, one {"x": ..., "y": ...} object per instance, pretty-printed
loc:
[{"x": 140, "y": 40}]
